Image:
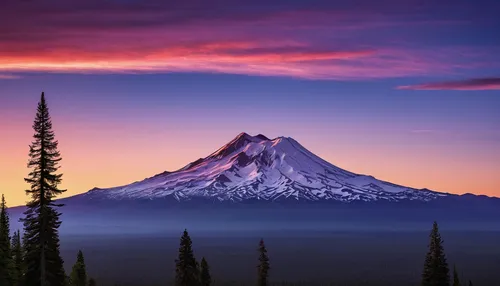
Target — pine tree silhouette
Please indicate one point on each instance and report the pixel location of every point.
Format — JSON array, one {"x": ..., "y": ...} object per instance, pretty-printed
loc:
[
  {"x": 78, "y": 275},
  {"x": 6, "y": 264},
  {"x": 205, "y": 278},
  {"x": 456, "y": 280},
  {"x": 44, "y": 265},
  {"x": 263, "y": 267},
  {"x": 186, "y": 270},
  {"x": 436, "y": 271},
  {"x": 17, "y": 256}
]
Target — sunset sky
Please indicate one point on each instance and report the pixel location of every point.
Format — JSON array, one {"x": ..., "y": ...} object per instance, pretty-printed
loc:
[{"x": 405, "y": 90}]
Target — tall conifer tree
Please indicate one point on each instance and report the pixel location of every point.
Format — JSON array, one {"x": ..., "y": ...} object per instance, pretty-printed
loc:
[
  {"x": 5, "y": 253},
  {"x": 186, "y": 270},
  {"x": 456, "y": 280},
  {"x": 44, "y": 265},
  {"x": 263, "y": 267},
  {"x": 436, "y": 271},
  {"x": 17, "y": 257},
  {"x": 78, "y": 275},
  {"x": 205, "y": 278}
]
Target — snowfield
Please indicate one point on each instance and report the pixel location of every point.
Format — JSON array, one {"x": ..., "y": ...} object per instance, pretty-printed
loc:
[{"x": 255, "y": 167}]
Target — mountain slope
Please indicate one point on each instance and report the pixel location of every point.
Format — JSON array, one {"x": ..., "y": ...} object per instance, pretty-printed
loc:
[{"x": 258, "y": 168}]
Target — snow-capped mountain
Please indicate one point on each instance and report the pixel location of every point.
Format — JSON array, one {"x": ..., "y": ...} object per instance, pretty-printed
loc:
[{"x": 256, "y": 167}]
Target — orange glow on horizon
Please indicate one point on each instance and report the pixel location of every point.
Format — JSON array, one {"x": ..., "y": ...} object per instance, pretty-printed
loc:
[{"x": 100, "y": 162}]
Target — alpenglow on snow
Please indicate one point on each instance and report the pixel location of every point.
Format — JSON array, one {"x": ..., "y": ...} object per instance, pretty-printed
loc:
[{"x": 259, "y": 168}]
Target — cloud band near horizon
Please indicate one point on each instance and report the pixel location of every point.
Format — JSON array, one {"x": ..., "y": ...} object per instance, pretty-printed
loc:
[{"x": 469, "y": 84}]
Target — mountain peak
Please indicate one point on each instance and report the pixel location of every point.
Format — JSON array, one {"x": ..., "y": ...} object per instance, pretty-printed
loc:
[
  {"x": 260, "y": 136},
  {"x": 243, "y": 135},
  {"x": 239, "y": 141},
  {"x": 255, "y": 167}
]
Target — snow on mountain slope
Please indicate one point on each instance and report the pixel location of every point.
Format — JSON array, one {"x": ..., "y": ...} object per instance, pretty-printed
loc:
[{"x": 255, "y": 167}]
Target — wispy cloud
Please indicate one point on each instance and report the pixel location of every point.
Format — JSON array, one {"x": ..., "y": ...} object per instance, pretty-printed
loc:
[
  {"x": 315, "y": 39},
  {"x": 259, "y": 58},
  {"x": 469, "y": 84},
  {"x": 9, "y": 76}
]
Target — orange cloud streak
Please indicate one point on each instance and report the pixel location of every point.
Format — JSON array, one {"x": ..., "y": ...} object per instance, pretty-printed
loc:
[
  {"x": 231, "y": 57},
  {"x": 252, "y": 58}
]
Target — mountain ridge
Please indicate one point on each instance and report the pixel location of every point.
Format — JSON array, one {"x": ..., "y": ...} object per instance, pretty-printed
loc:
[{"x": 256, "y": 167}]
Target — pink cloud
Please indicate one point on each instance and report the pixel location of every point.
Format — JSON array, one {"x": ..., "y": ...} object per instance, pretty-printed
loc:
[
  {"x": 251, "y": 58},
  {"x": 469, "y": 84},
  {"x": 237, "y": 58},
  {"x": 327, "y": 41}
]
